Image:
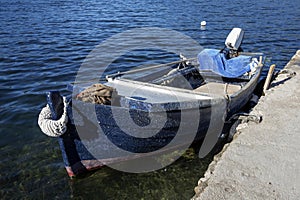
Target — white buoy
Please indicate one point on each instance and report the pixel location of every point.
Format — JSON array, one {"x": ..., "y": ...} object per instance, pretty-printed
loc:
[{"x": 203, "y": 23}]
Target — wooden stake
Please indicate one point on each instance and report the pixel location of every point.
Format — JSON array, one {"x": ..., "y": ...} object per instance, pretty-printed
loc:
[{"x": 269, "y": 77}]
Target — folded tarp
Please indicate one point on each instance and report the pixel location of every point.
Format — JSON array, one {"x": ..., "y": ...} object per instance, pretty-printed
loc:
[{"x": 213, "y": 60}]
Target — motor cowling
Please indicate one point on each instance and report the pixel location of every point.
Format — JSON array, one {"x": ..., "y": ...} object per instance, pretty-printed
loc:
[{"x": 233, "y": 43}]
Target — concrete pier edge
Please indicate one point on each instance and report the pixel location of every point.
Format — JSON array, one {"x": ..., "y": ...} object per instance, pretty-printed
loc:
[{"x": 263, "y": 160}]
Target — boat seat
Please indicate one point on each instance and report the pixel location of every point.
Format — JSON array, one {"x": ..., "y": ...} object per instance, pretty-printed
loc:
[{"x": 218, "y": 88}]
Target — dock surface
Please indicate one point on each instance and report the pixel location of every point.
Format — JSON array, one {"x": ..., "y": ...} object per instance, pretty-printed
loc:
[{"x": 263, "y": 160}]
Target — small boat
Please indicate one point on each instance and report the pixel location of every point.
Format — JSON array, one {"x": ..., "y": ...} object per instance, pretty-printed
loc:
[{"x": 132, "y": 117}]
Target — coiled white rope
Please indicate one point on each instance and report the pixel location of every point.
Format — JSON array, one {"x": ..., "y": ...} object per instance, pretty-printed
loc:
[{"x": 53, "y": 128}]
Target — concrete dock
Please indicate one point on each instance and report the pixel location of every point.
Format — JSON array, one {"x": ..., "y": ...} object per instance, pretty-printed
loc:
[{"x": 263, "y": 160}]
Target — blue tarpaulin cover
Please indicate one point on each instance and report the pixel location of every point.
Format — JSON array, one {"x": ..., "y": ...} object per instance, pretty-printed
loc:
[{"x": 213, "y": 60}]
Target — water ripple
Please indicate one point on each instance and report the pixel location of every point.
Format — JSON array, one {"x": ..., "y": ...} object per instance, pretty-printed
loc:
[{"x": 43, "y": 44}]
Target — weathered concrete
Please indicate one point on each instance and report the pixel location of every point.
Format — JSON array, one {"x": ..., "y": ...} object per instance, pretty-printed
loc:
[{"x": 263, "y": 160}]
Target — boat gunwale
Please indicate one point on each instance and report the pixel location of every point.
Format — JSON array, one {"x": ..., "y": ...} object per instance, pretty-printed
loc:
[{"x": 253, "y": 79}]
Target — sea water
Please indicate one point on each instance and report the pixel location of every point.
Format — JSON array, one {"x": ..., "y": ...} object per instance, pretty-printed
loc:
[{"x": 43, "y": 44}]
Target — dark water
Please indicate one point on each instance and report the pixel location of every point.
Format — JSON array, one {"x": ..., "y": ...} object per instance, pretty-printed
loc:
[{"x": 43, "y": 44}]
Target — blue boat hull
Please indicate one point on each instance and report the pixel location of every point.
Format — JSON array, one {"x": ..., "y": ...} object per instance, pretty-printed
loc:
[
  {"x": 88, "y": 145},
  {"x": 78, "y": 159}
]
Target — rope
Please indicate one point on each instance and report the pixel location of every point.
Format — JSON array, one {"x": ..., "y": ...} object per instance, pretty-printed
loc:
[
  {"x": 50, "y": 127},
  {"x": 290, "y": 73},
  {"x": 97, "y": 94},
  {"x": 246, "y": 116}
]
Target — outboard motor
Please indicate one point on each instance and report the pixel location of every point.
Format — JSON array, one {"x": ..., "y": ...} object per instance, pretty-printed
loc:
[{"x": 233, "y": 43}]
